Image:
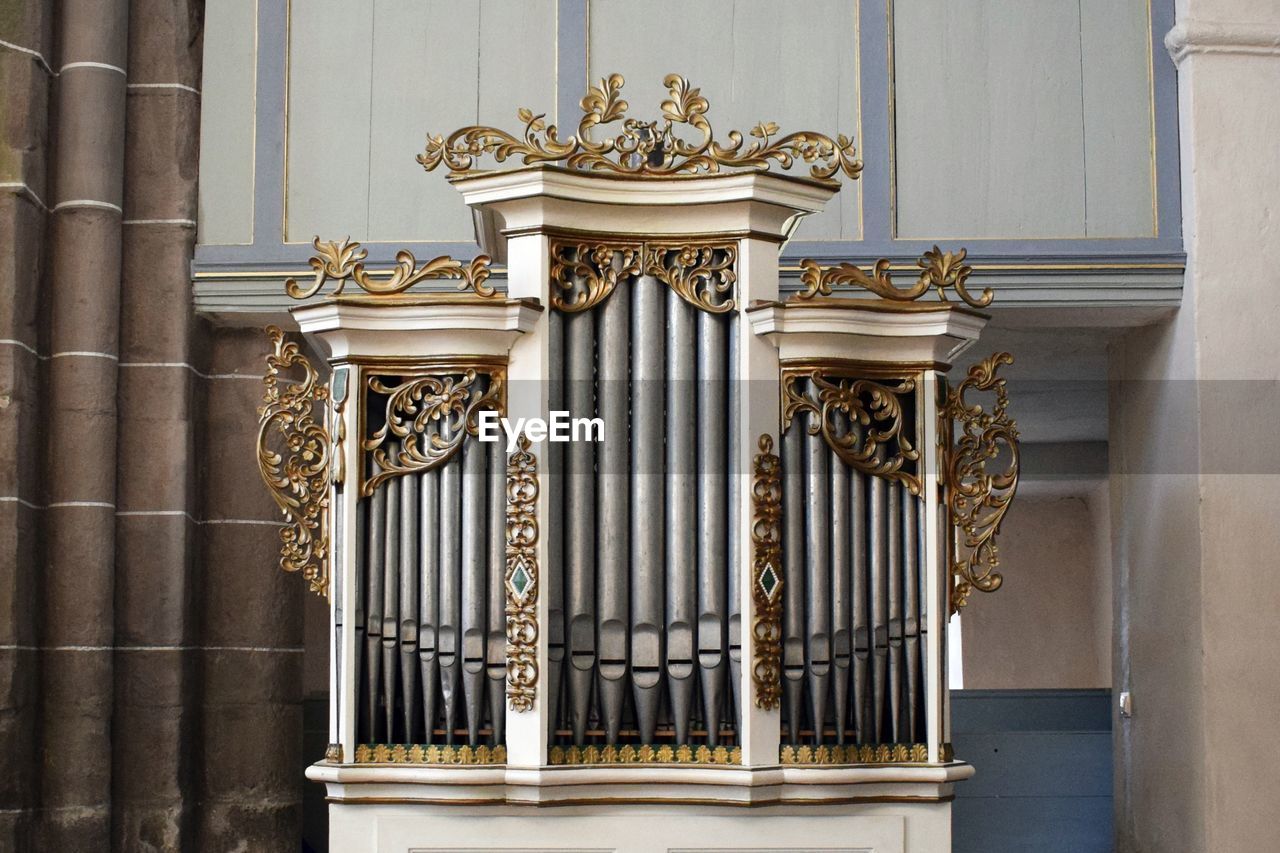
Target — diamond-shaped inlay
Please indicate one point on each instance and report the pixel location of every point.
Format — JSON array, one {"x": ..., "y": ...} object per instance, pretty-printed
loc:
[
  {"x": 769, "y": 581},
  {"x": 521, "y": 580}
]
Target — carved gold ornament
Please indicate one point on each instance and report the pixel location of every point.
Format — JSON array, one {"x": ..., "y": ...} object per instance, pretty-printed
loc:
[
  {"x": 861, "y": 419},
  {"x": 338, "y": 260},
  {"x": 884, "y": 753},
  {"x": 643, "y": 147},
  {"x": 522, "y": 577},
  {"x": 645, "y": 754},
  {"x": 404, "y": 753},
  {"x": 977, "y": 499},
  {"x": 446, "y": 397},
  {"x": 766, "y": 576},
  {"x": 584, "y": 273},
  {"x": 293, "y": 458},
  {"x": 938, "y": 269}
]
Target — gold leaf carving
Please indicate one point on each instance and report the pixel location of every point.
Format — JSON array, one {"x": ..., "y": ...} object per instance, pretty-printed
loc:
[
  {"x": 343, "y": 259},
  {"x": 583, "y": 274},
  {"x": 977, "y": 499},
  {"x": 766, "y": 576},
  {"x": 938, "y": 270},
  {"x": 522, "y": 577},
  {"x": 293, "y": 457},
  {"x": 642, "y": 147}
]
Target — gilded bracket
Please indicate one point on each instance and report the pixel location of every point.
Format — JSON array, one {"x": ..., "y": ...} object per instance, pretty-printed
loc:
[
  {"x": 294, "y": 450},
  {"x": 522, "y": 577},
  {"x": 649, "y": 148},
  {"x": 976, "y": 498},
  {"x": 766, "y": 575},
  {"x": 450, "y": 398},
  {"x": 861, "y": 419},
  {"x": 339, "y": 260},
  {"x": 584, "y": 273},
  {"x": 939, "y": 270}
]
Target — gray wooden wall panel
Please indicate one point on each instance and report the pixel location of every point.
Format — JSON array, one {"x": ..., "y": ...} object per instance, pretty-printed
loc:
[
  {"x": 800, "y": 70},
  {"x": 1118, "y": 132},
  {"x": 227, "y": 122},
  {"x": 411, "y": 68},
  {"x": 988, "y": 119},
  {"x": 328, "y": 120}
]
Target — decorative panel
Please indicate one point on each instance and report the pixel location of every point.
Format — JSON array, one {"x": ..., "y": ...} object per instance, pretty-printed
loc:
[
  {"x": 227, "y": 122},
  {"x": 760, "y": 59},
  {"x": 1022, "y": 120}
]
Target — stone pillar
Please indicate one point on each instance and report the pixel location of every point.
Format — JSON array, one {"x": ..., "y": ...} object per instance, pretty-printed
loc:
[
  {"x": 83, "y": 298},
  {"x": 157, "y": 520},
  {"x": 26, "y": 79},
  {"x": 1195, "y": 474}
]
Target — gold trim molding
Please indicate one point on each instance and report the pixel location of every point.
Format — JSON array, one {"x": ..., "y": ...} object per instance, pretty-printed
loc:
[
  {"x": 449, "y": 396},
  {"x": 292, "y": 419},
  {"x": 522, "y": 577},
  {"x": 976, "y": 498},
  {"x": 938, "y": 269},
  {"x": 881, "y": 442},
  {"x": 645, "y": 754},
  {"x": 585, "y": 272},
  {"x": 402, "y": 753},
  {"x": 766, "y": 576},
  {"x": 339, "y": 260},
  {"x": 649, "y": 148},
  {"x": 885, "y": 753}
]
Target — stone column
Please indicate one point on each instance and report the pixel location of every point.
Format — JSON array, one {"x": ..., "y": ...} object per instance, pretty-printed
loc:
[
  {"x": 1196, "y": 473},
  {"x": 83, "y": 298},
  {"x": 157, "y": 519},
  {"x": 26, "y": 79}
]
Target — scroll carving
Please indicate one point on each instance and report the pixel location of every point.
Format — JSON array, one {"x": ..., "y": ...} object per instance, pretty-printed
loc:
[
  {"x": 401, "y": 753},
  {"x": 449, "y": 397},
  {"x": 766, "y": 575},
  {"x": 885, "y": 753},
  {"x": 339, "y": 260},
  {"x": 294, "y": 450},
  {"x": 643, "y": 147},
  {"x": 584, "y": 273},
  {"x": 522, "y": 577},
  {"x": 645, "y": 754},
  {"x": 938, "y": 270},
  {"x": 881, "y": 440},
  {"x": 977, "y": 498}
]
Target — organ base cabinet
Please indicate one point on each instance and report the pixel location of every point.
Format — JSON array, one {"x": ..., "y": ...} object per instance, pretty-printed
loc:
[{"x": 640, "y": 552}]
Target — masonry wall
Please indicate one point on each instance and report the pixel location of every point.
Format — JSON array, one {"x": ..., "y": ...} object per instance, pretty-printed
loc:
[{"x": 150, "y": 659}]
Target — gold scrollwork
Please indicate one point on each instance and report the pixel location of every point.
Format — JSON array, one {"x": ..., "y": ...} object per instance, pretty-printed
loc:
[
  {"x": 766, "y": 575},
  {"x": 338, "y": 260},
  {"x": 522, "y": 577},
  {"x": 598, "y": 266},
  {"x": 449, "y": 398},
  {"x": 884, "y": 753},
  {"x": 938, "y": 269},
  {"x": 416, "y": 753},
  {"x": 645, "y": 754},
  {"x": 643, "y": 147},
  {"x": 333, "y": 753},
  {"x": 298, "y": 473},
  {"x": 881, "y": 440},
  {"x": 584, "y": 273},
  {"x": 976, "y": 498},
  {"x": 696, "y": 273}
]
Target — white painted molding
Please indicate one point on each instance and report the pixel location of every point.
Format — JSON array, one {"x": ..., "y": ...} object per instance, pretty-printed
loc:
[{"x": 1210, "y": 37}]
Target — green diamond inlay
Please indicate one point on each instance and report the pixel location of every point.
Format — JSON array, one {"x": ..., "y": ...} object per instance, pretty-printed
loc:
[
  {"x": 520, "y": 580},
  {"x": 769, "y": 581}
]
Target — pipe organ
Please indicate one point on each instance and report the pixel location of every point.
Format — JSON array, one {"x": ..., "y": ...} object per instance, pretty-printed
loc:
[{"x": 642, "y": 533}]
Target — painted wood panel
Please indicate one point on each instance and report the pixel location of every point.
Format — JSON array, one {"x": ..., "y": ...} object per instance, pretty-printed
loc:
[
  {"x": 1022, "y": 120},
  {"x": 414, "y": 67},
  {"x": 227, "y": 122},
  {"x": 800, "y": 71}
]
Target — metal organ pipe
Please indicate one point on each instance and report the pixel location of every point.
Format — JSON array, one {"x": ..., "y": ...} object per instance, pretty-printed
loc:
[
  {"x": 558, "y": 490},
  {"x": 818, "y": 573},
  {"x": 429, "y": 598},
  {"x": 449, "y": 636},
  {"x": 682, "y": 553},
  {"x": 475, "y": 556},
  {"x": 861, "y": 688},
  {"x": 496, "y": 647},
  {"x": 377, "y": 541},
  {"x": 613, "y": 499},
  {"x": 410, "y": 572},
  {"x": 793, "y": 590},
  {"x": 580, "y": 527},
  {"x": 879, "y": 601},
  {"x": 713, "y": 498},
  {"x": 647, "y": 495},
  {"x": 843, "y": 511}
]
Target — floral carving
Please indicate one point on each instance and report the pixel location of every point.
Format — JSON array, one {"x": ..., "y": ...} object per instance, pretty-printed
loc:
[
  {"x": 939, "y": 270},
  {"x": 522, "y": 577},
  {"x": 338, "y": 260},
  {"x": 766, "y": 576}
]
